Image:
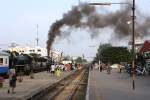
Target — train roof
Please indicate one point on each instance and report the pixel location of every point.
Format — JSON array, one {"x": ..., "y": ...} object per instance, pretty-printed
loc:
[{"x": 3, "y": 54}]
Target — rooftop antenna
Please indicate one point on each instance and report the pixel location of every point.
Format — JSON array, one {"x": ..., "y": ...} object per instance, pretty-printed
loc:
[{"x": 37, "y": 39}]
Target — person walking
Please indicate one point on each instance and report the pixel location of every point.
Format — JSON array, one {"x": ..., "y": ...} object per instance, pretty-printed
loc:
[
  {"x": 108, "y": 69},
  {"x": 58, "y": 72},
  {"x": 120, "y": 68},
  {"x": 101, "y": 68},
  {"x": 91, "y": 67},
  {"x": 12, "y": 80},
  {"x": 53, "y": 69}
]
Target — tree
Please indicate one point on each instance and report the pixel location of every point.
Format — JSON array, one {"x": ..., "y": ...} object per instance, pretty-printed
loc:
[
  {"x": 140, "y": 59},
  {"x": 101, "y": 48},
  {"x": 115, "y": 55},
  {"x": 78, "y": 60},
  {"x": 84, "y": 60},
  {"x": 109, "y": 54}
]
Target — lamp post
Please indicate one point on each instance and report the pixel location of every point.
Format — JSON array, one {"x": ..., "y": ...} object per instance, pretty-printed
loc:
[{"x": 133, "y": 35}]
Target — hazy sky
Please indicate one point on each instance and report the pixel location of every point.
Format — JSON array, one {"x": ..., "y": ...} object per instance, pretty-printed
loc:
[{"x": 18, "y": 20}]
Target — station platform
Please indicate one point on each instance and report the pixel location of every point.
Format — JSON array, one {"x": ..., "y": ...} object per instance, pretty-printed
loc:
[
  {"x": 117, "y": 86},
  {"x": 28, "y": 88}
]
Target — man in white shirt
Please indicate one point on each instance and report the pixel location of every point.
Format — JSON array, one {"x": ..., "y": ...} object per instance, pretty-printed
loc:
[{"x": 53, "y": 69}]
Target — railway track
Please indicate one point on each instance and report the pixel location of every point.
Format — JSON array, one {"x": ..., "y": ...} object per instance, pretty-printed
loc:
[{"x": 69, "y": 88}]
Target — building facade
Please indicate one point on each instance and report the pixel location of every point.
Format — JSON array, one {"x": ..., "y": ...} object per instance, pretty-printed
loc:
[
  {"x": 28, "y": 50},
  {"x": 145, "y": 51},
  {"x": 138, "y": 44},
  {"x": 54, "y": 54}
]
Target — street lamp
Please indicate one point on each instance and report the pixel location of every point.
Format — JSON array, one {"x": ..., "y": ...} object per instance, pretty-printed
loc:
[{"x": 133, "y": 35}]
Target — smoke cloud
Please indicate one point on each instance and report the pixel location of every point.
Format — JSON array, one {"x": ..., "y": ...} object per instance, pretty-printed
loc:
[{"x": 86, "y": 16}]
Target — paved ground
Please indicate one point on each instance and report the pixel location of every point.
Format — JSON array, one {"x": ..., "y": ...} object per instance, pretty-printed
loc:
[
  {"x": 30, "y": 86},
  {"x": 116, "y": 86}
]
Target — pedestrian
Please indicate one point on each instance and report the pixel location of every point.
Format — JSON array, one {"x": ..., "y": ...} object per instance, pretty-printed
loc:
[
  {"x": 12, "y": 80},
  {"x": 53, "y": 69},
  {"x": 58, "y": 72},
  {"x": 108, "y": 69},
  {"x": 91, "y": 67},
  {"x": 101, "y": 68},
  {"x": 75, "y": 65},
  {"x": 120, "y": 68}
]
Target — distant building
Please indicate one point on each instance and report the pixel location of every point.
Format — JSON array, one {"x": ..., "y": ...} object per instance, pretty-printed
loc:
[
  {"x": 28, "y": 50},
  {"x": 145, "y": 51},
  {"x": 138, "y": 44},
  {"x": 56, "y": 55}
]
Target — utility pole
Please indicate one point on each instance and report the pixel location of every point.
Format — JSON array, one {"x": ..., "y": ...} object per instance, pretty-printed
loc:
[
  {"x": 133, "y": 44},
  {"x": 37, "y": 38}
]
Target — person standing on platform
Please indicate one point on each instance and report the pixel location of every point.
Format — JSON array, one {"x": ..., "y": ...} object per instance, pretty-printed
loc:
[
  {"x": 101, "y": 68},
  {"x": 91, "y": 66},
  {"x": 12, "y": 80},
  {"x": 53, "y": 69},
  {"x": 58, "y": 72},
  {"x": 108, "y": 69}
]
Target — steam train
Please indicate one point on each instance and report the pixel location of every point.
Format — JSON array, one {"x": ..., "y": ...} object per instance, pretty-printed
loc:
[
  {"x": 23, "y": 63},
  {"x": 26, "y": 64}
]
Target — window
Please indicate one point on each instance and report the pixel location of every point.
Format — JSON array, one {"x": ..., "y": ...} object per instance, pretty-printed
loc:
[
  {"x": 6, "y": 61},
  {"x": 1, "y": 61},
  {"x": 32, "y": 50},
  {"x": 39, "y": 50}
]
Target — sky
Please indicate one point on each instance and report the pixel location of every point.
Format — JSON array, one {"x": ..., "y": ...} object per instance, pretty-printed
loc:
[{"x": 19, "y": 18}]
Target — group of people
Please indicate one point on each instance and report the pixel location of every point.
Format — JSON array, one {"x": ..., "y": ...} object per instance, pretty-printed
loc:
[
  {"x": 102, "y": 67},
  {"x": 107, "y": 67},
  {"x": 56, "y": 68}
]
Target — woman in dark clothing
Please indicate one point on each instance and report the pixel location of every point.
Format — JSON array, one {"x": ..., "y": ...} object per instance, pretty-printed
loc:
[
  {"x": 12, "y": 81},
  {"x": 101, "y": 68}
]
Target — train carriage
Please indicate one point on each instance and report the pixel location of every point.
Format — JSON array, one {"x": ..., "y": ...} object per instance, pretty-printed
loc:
[{"x": 4, "y": 63}]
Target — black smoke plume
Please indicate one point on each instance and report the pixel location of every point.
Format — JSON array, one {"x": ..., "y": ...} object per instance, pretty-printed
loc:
[{"x": 86, "y": 16}]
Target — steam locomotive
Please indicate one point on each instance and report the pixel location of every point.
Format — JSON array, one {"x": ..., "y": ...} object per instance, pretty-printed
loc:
[{"x": 24, "y": 63}]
